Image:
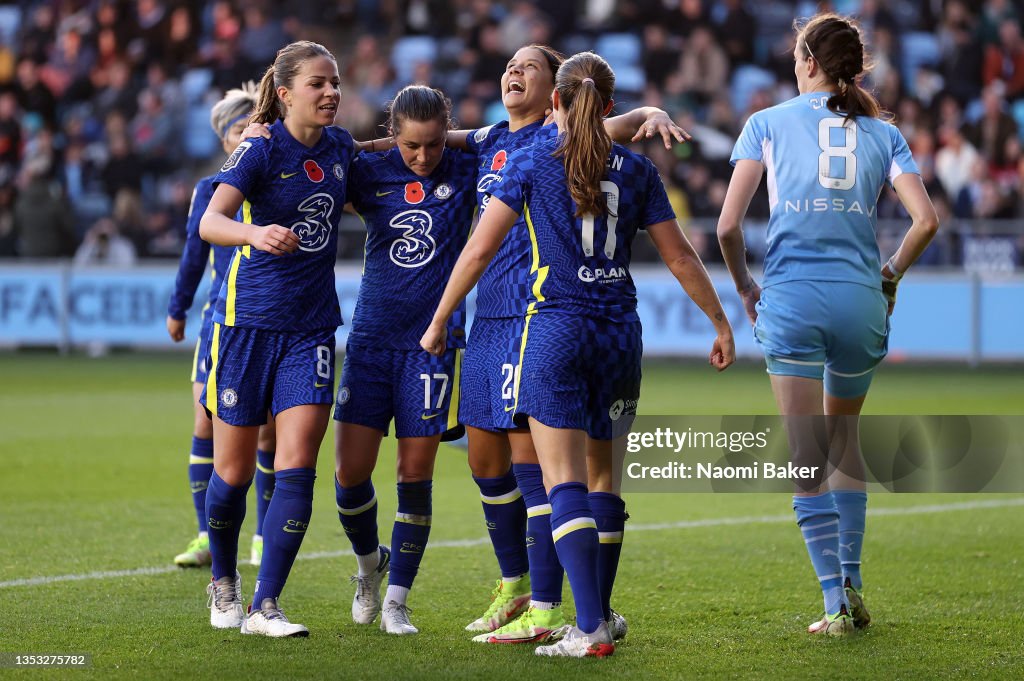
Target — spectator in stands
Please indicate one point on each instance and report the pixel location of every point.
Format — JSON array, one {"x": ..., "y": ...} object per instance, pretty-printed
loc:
[
  {"x": 33, "y": 96},
  {"x": 737, "y": 30},
  {"x": 43, "y": 218},
  {"x": 104, "y": 245},
  {"x": 704, "y": 67},
  {"x": 961, "y": 51},
  {"x": 994, "y": 128},
  {"x": 954, "y": 160},
  {"x": 1005, "y": 60}
]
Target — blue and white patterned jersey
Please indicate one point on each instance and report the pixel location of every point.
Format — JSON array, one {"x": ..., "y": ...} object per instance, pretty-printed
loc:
[
  {"x": 582, "y": 264},
  {"x": 195, "y": 256},
  {"x": 415, "y": 229},
  {"x": 504, "y": 288},
  {"x": 286, "y": 183},
  {"x": 824, "y": 179}
]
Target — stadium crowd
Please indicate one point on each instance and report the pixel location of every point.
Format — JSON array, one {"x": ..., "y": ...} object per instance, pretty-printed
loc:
[{"x": 104, "y": 104}]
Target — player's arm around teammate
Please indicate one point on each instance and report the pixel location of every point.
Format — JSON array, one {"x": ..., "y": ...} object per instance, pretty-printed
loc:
[
  {"x": 417, "y": 203},
  {"x": 822, "y": 318},
  {"x": 566, "y": 387},
  {"x": 274, "y": 333}
]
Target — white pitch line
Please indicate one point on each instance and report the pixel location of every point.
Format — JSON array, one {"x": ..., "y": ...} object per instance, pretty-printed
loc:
[{"x": 463, "y": 543}]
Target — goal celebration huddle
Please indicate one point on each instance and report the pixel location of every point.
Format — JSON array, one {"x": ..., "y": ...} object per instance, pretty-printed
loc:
[{"x": 538, "y": 213}]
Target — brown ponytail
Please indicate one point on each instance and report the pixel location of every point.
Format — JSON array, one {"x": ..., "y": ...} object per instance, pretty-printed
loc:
[
  {"x": 585, "y": 84},
  {"x": 281, "y": 73},
  {"x": 835, "y": 42}
]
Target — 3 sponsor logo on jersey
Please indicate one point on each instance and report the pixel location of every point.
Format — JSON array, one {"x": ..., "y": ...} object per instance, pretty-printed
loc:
[
  {"x": 416, "y": 246},
  {"x": 236, "y": 156},
  {"x": 443, "y": 191},
  {"x": 620, "y": 408},
  {"x": 601, "y": 275},
  {"x": 228, "y": 397},
  {"x": 315, "y": 231},
  {"x": 484, "y": 187}
]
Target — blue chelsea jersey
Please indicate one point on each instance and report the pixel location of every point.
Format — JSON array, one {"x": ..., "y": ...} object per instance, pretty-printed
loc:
[
  {"x": 582, "y": 264},
  {"x": 504, "y": 288},
  {"x": 301, "y": 188},
  {"x": 194, "y": 257},
  {"x": 415, "y": 229},
  {"x": 824, "y": 175}
]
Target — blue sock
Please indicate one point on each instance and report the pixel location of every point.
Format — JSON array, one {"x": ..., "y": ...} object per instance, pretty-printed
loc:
[
  {"x": 264, "y": 486},
  {"x": 225, "y": 511},
  {"x": 545, "y": 570},
  {"x": 852, "y": 506},
  {"x": 575, "y": 534},
  {"x": 200, "y": 468},
  {"x": 610, "y": 516},
  {"x": 285, "y": 526},
  {"x": 819, "y": 522},
  {"x": 412, "y": 528},
  {"x": 505, "y": 513},
  {"x": 357, "y": 511}
]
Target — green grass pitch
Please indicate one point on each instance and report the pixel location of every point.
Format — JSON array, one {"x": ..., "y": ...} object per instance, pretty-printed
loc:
[{"x": 93, "y": 456}]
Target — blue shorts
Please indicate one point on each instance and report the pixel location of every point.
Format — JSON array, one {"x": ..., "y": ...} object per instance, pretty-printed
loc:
[
  {"x": 201, "y": 358},
  {"x": 835, "y": 331},
  {"x": 412, "y": 387},
  {"x": 581, "y": 373},
  {"x": 253, "y": 370},
  {"x": 489, "y": 373}
]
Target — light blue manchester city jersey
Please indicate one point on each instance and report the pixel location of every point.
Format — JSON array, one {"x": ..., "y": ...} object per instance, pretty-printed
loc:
[{"x": 824, "y": 175}]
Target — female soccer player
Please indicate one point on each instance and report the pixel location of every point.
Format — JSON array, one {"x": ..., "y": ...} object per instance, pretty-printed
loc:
[
  {"x": 417, "y": 202},
  {"x": 273, "y": 336},
  {"x": 822, "y": 316},
  {"x": 583, "y": 198},
  {"x": 501, "y": 455},
  {"x": 228, "y": 119}
]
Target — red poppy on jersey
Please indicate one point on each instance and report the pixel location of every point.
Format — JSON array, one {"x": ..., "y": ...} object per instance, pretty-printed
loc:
[
  {"x": 313, "y": 171},
  {"x": 414, "y": 192},
  {"x": 498, "y": 162}
]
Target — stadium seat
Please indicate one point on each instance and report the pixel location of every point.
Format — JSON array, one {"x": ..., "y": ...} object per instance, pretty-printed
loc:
[
  {"x": 10, "y": 22},
  {"x": 200, "y": 142},
  {"x": 620, "y": 50},
  {"x": 919, "y": 49},
  {"x": 1018, "y": 115},
  {"x": 409, "y": 51},
  {"x": 195, "y": 83},
  {"x": 746, "y": 80}
]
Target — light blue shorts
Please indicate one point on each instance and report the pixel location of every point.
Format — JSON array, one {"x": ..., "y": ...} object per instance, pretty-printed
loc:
[{"x": 836, "y": 331}]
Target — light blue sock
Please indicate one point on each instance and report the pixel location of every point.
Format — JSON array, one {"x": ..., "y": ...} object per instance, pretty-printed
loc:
[
  {"x": 852, "y": 506},
  {"x": 819, "y": 522}
]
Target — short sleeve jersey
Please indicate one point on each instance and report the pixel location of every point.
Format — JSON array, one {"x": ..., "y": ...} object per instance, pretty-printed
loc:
[
  {"x": 415, "y": 229},
  {"x": 582, "y": 264},
  {"x": 824, "y": 175},
  {"x": 503, "y": 290},
  {"x": 287, "y": 183},
  {"x": 196, "y": 254}
]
